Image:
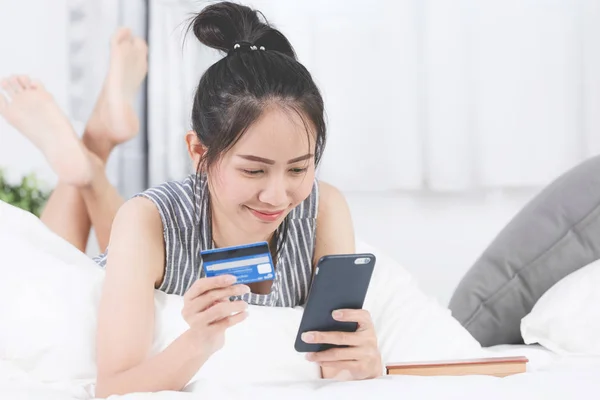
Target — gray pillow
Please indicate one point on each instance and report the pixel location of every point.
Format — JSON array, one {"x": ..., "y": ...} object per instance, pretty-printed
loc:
[{"x": 556, "y": 233}]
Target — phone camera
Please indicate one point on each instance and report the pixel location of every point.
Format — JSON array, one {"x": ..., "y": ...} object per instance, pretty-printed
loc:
[{"x": 362, "y": 260}]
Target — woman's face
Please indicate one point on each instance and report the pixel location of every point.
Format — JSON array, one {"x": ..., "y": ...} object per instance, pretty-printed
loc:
[{"x": 268, "y": 172}]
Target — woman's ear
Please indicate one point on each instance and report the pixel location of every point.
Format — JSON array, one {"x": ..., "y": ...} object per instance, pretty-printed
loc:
[{"x": 195, "y": 148}]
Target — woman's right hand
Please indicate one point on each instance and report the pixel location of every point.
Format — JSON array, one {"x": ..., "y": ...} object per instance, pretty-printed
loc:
[{"x": 209, "y": 312}]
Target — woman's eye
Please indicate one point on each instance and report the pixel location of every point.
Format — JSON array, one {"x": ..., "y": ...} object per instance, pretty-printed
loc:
[
  {"x": 298, "y": 170},
  {"x": 252, "y": 171}
]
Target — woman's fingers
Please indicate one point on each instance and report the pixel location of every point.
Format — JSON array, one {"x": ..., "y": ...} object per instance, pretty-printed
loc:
[
  {"x": 362, "y": 317},
  {"x": 230, "y": 321},
  {"x": 338, "y": 338},
  {"x": 338, "y": 354},
  {"x": 222, "y": 310},
  {"x": 212, "y": 297},
  {"x": 203, "y": 285}
]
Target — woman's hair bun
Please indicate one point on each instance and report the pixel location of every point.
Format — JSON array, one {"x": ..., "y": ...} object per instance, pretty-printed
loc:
[{"x": 222, "y": 25}]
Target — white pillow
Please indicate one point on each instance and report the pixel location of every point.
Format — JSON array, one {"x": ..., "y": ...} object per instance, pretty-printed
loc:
[
  {"x": 260, "y": 349},
  {"x": 412, "y": 326},
  {"x": 566, "y": 319},
  {"x": 48, "y": 300},
  {"x": 50, "y": 291}
]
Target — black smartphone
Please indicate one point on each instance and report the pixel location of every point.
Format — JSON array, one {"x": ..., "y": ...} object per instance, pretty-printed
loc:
[{"x": 340, "y": 282}]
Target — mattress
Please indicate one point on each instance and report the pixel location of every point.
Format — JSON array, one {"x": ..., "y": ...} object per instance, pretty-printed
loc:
[{"x": 549, "y": 376}]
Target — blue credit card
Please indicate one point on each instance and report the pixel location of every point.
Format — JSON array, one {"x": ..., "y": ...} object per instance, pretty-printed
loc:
[{"x": 248, "y": 263}]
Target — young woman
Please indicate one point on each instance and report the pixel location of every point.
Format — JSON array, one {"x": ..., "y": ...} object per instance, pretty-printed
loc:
[{"x": 258, "y": 134}]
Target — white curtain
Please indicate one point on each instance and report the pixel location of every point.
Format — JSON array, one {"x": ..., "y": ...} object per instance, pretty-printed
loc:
[{"x": 420, "y": 94}]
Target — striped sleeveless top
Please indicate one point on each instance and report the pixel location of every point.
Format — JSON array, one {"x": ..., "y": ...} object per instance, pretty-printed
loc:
[{"x": 184, "y": 212}]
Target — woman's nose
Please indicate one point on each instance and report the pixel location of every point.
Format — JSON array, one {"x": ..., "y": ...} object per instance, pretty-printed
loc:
[{"x": 274, "y": 193}]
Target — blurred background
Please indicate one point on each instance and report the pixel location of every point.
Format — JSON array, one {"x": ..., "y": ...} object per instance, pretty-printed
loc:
[{"x": 445, "y": 117}]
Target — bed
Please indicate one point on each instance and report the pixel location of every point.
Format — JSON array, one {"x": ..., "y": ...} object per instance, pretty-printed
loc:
[{"x": 48, "y": 304}]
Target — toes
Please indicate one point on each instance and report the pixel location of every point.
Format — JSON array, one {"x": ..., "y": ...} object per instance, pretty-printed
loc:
[
  {"x": 14, "y": 83},
  {"x": 4, "y": 94},
  {"x": 120, "y": 35},
  {"x": 24, "y": 81},
  {"x": 11, "y": 86},
  {"x": 36, "y": 84},
  {"x": 4, "y": 84}
]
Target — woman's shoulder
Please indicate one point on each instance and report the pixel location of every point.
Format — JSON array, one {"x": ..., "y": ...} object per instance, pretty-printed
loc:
[
  {"x": 136, "y": 215},
  {"x": 334, "y": 228},
  {"x": 137, "y": 225},
  {"x": 133, "y": 215},
  {"x": 330, "y": 198},
  {"x": 139, "y": 209}
]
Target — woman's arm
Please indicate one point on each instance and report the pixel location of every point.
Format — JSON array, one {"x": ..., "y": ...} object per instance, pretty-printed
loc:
[
  {"x": 126, "y": 313},
  {"x": 335, "y": 231}
]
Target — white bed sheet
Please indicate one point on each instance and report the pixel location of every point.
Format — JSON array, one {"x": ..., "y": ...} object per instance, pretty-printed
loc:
[{"x": 549, "y": 376}]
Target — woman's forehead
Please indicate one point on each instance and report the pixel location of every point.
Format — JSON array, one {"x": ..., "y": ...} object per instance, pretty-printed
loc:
[{"x": 278, "y": 130}]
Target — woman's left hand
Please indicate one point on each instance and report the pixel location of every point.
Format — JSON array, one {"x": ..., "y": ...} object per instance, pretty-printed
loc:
[{"x": 360, "y": 360}]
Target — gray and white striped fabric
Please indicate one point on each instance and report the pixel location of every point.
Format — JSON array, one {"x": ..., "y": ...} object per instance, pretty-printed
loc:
[{"x": 187, "y": 233}]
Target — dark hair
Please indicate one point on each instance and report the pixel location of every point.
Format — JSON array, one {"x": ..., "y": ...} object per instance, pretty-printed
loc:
[{"x": 234, "y": 91}]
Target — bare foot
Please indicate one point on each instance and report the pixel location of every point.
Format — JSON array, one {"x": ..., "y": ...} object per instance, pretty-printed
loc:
[
  {"x": 114, "y": 119},
  {"x": 34, "y": 113}
]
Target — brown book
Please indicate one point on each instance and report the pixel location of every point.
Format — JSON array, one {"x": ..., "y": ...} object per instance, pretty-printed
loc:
[{"x": 495, "y": 366}]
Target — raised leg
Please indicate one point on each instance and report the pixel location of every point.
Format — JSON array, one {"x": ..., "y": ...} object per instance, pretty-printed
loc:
[{"x": 84, "y": 197}]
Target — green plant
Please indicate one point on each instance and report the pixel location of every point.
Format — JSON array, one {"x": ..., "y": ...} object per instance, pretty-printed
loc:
[{"x": 28, "y": 194}]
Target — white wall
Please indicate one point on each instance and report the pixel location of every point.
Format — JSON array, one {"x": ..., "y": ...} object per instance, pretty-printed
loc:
[
  {"x": 32, "y": 41},
  {"x": 435, "y": 237}
]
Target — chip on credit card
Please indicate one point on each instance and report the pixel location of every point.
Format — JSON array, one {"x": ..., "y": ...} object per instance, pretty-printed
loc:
[{"x": 248, "y": 263}]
